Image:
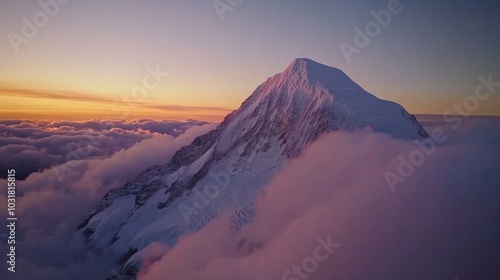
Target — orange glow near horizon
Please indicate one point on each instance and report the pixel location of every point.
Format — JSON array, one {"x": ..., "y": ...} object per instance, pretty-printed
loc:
[
  {"x": 45, "y": 104},
  {"x": 22, "y": 103}
]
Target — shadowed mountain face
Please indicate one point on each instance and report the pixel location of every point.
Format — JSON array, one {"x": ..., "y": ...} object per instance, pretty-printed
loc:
[{"x": 226, "y": 168}]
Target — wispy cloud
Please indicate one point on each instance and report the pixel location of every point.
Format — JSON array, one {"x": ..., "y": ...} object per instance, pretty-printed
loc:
[
  {"x": 65, "y": 95},
  {"x": 187, "y": 108},
  {"x": 52, "y": 94}
]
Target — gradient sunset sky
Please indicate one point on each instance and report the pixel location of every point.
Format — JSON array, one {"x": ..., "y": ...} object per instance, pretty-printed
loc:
[{"x": 92, "y": 52}]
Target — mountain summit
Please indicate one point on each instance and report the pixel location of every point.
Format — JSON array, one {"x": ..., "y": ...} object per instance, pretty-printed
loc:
[
  {"x": 316, "y": 72},
  {"x": 226, "y": 168}
]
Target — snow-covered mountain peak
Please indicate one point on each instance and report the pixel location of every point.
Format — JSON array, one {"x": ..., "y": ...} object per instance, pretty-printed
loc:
[
  {"x": 307, "y": 77},
  {"x": 279, "y": 120},
  {"x": 309, "y": 70},
  {"x": 303, "y": 65}
]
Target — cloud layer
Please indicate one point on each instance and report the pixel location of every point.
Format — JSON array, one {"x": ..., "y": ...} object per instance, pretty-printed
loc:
[
  {"x": 441, "y": 223},
  {"x": 49, "y": 209},
  {"x": 31, "y": 146}
]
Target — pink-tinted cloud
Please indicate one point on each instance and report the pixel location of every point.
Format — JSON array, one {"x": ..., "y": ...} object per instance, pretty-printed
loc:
[{"x": 442, "y": 222}]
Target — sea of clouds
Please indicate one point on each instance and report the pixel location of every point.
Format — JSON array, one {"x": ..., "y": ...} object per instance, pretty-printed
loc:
[
  {"x": 51, "y": 204},
  {"x": 31, "y": 146},
  {"x": 440, "y": 223}
]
